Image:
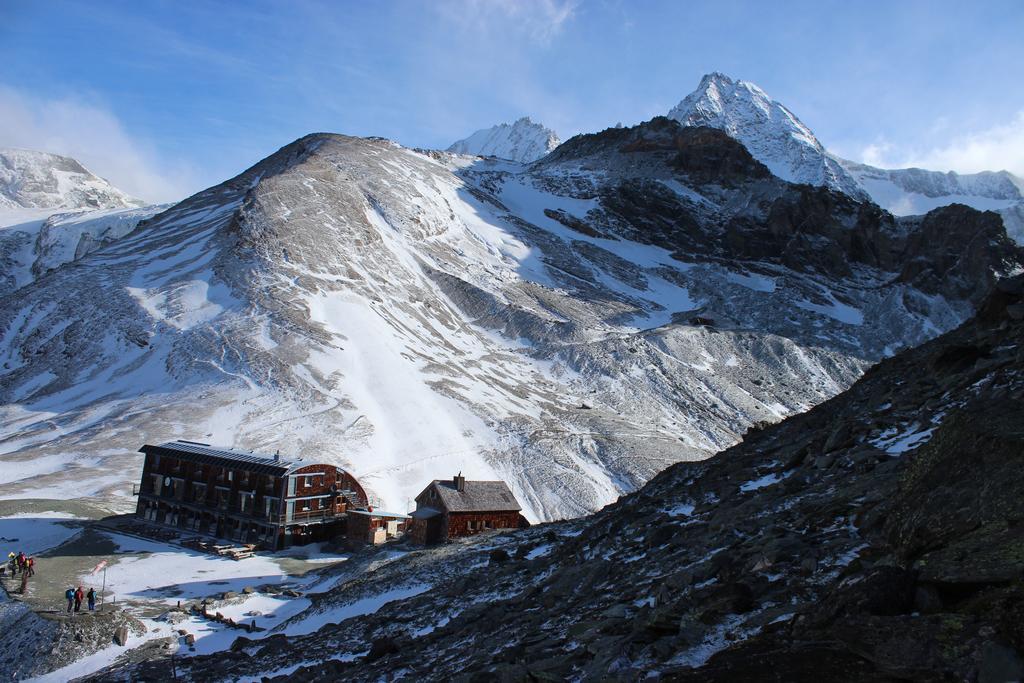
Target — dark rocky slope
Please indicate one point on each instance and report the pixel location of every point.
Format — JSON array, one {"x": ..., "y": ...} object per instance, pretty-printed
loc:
[{"x": 878, "y": 536}]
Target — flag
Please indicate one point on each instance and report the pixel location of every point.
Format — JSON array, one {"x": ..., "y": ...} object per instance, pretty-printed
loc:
[{"x": 98, "y": 567}]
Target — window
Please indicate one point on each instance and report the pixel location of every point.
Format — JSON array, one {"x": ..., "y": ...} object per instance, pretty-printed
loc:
[{"x": 231, "y": 475}]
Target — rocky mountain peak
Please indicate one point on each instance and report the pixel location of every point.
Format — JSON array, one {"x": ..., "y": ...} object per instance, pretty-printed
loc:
[
  {"x": 523, "y": 141},
  {"x": 771, "y": 132},
  {"x": 39, "y": 180}
]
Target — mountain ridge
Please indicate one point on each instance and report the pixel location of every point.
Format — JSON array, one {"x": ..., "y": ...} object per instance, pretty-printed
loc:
[{"x": 776, "y": 137}]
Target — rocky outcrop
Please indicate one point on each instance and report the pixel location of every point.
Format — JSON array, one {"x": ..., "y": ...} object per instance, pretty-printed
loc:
[{"x": 952, "y": 250}]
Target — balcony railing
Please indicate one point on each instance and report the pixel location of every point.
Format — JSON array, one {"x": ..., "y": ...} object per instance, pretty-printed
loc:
[{"x": 255, "y": 515}]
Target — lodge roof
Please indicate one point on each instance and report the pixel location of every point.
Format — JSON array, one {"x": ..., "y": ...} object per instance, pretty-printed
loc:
[
  {"x": 205, "y": 454},
  {"x": 476, "y": 496}
]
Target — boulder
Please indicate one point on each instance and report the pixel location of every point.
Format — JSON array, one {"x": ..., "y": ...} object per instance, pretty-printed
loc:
[{"x": 381, "y": 647}]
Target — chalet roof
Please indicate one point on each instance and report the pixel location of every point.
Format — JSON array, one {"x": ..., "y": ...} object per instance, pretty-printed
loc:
[
  {"x": 205, "y": 454},
  {"x": 424, "y": 513},
  {"x": 379, "y": 513},
  {"x": 478, "y": 496}
]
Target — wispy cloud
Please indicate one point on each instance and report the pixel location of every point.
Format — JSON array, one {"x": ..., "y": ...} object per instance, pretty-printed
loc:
[
  {"x": 541, "y": 20},
  {"x": 998, "y": 148},
  {"x": 93, "y": 135}
]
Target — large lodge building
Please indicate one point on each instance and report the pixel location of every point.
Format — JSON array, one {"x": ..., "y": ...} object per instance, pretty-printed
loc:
[
  {"x": 275, "y": 503},
  {"x": 245, "y": 497}
]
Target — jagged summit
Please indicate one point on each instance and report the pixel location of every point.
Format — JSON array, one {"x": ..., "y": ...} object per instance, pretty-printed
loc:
[
  {"x": 771, "y": 132},
  {"x": 524, "y": 141},
  {"x": 39, "y": 180}
]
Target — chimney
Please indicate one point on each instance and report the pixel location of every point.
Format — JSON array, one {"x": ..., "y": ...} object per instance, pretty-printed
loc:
[
  {"x": 277, "y": 455},
  {"x": 460, "y": 482}
]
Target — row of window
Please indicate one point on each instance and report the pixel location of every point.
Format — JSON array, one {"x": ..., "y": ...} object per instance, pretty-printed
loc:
[{"x": 244, "y": 477}]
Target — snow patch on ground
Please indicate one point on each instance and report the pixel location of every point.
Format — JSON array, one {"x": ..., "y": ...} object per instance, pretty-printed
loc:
[{"x": 766, "y": 480}]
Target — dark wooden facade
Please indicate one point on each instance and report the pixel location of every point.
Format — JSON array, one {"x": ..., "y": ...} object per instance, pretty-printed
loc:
[
  {"x": 469, "y": 523},
  {"x": 245, "y": 497},
  {"x": 455, "y": 508}
]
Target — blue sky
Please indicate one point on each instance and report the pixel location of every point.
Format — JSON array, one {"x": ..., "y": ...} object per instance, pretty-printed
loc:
[{"x": 165, "y": 98}]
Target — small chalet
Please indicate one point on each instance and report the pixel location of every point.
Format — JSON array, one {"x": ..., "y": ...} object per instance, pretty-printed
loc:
[
  {"x": 448, "y": 509},
  {"x": 245, "y": 497}
]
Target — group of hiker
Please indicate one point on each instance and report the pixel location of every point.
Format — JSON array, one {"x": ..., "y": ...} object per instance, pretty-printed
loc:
[
  {"x": 26, "y": 566},
  {"x": 19, "y": 563},
  {"x": 75, "y": 596}
]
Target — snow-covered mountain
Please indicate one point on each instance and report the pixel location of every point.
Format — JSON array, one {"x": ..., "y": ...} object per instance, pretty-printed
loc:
[
  {"x": 910, "y": 191},
  {"x": 54, "y": 211},
  {"x": 770, "y": 131},
  {"x": 638, "y": 297},
  {"x": 40, "y": 180},
  {"x": 522, "y": 141},
  {"x": 777, "y": 138}
]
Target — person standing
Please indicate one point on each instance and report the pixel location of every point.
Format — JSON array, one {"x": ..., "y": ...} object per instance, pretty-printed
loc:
[
  {"x": 79, "y": 596},
  {"x": 30, "y": 566},
  {"x": 70, "y": 595},
  {"x": 91, "y": 598}
]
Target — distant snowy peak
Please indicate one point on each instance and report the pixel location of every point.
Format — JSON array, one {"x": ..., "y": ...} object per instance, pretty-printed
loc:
[
  {"x": 913, "y": 191},
  {"x": 769, "y": 131},
  {"x": 39, "y": 180},
  {"x": 996, "y": 185},
  {"x": 522, "y": 141}
]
